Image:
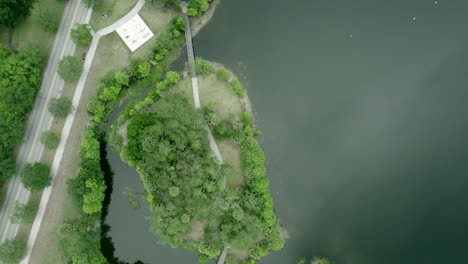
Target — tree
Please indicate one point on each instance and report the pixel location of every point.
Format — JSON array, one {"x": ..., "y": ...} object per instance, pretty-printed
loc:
[
  {"x": 13, "y": 11},
  {"x": 45, "y": 18},
  {"x": 12, "y": 251},
  {"x": 24, "y": 213},
  {"x": 60, "y": 107},
  {"x": 50, "y": 139},
  {"x": 70, "y": 69},
  {"x": 81, "y": 35},
  {"x": 36, "y": 176}
]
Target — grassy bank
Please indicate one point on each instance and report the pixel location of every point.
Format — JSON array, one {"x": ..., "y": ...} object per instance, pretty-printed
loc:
[{"x": 110, "y": 11}]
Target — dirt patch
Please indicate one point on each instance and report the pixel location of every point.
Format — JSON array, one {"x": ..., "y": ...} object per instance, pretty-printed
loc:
[
  {"x": 197, "y": 231},
  {"x": 239, "y": 254},
  {"x": 122, "y": 132},
  {"x": 231, "y": 155}
]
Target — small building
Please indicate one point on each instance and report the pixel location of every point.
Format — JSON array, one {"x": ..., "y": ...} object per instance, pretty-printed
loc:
[{"x": 135, "y": 33}]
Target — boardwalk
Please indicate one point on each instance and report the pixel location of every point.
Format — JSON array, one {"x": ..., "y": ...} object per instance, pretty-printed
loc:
[
  {"x": 188, "y": 40},
  {"x": 196, "y": 98}
]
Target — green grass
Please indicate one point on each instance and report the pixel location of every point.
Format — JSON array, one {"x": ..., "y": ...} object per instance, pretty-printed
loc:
[
  {"x": 28, "y": 32},
  {"x": 115, "y": 9}
]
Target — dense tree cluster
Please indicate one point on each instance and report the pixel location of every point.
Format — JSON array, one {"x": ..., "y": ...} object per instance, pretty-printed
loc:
[
  {"x": 20, "y": 78},
  {"x": 171, "y": 152},
  {"x": 80, "y": 238},
  {"x": 168, "y": 40},
  {"x": 13, "y": 11},
  {"x": 197, "y": 7}
]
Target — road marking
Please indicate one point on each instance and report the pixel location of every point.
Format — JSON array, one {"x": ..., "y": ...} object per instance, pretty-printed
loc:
[{"x": 43, "y": 113}]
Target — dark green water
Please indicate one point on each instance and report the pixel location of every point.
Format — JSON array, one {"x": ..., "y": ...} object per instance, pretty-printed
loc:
[{"x": 366, "y": 137}]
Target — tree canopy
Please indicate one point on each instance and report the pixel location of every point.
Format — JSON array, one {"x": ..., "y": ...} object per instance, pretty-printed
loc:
[
  {"x": 70, "y": 69},
  {"x": 50, "y": 139},
  {"x": 24, "y": 213},
  {"x": 185, "y": 183},
  {"x": 36, "y": 176},
  {"x": 44, "y": 17},
  {"x": 81, "y": 35},
  {"x": 60, "y": 107},
  {"x": 12, "y": 251},
  {"x": 13, "y": 11}
]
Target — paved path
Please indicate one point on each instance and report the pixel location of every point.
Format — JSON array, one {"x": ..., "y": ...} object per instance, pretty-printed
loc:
[
  {"x": 40, "y": 119},
  {"x": 69, "y": 121},
  {"x": 223, "y": 256},
  {"x": 196, "y": 98},
  {"x": 193, "y": 75}
]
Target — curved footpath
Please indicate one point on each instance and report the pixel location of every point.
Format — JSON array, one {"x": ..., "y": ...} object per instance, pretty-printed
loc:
[
  {"x": 69, "y": 121},
  {"x": 40, "y": 119},
  {"x": 196, "y": 98}
]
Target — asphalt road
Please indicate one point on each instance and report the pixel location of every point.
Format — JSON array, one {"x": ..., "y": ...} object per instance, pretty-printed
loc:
[{"x": 40, "y": 119}]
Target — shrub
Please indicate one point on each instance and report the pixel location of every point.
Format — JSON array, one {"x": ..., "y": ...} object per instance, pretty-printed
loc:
[
  {"x": 36, "y": 176},
  {"x": 60, "y": 107},
  {"x": 50, "y": 139},
  {"x": 202, "y": 66},
  {"x": 223, "y": 74},
  {"x": 239, "y": 90}
]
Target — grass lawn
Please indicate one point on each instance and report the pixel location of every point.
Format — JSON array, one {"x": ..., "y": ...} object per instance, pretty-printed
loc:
[
  {"x": 115, "y": 9},
  {"x": 30, "y": 32},
  {"x": 231, "y": 155}
]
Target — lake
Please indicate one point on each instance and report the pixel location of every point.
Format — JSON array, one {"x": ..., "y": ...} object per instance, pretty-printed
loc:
[{"x": 364, "y": 111}]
